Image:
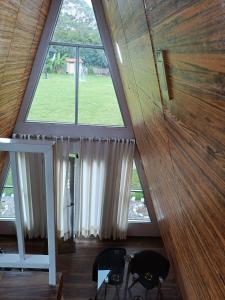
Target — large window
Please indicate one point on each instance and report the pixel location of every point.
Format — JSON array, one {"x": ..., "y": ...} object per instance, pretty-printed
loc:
[
  {"x": 54, "y": 97},
  {"x": 7, "y": 199},
  {"x": 137, "y": 208},
  {"x": 75, "y": 85}
]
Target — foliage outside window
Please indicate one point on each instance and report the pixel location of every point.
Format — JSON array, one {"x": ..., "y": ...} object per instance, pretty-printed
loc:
[{"x": 75, "y": 85}]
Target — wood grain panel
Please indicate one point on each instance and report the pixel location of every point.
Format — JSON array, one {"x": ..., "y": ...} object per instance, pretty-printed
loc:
[
  {"x": 181, "y": 141},
  {"x": 21, "y": 25}
]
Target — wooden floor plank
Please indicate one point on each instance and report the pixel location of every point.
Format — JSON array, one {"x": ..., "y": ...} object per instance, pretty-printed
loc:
[
  {"x": 76, "y": 266},
  {"x": 28, "y": 285}
]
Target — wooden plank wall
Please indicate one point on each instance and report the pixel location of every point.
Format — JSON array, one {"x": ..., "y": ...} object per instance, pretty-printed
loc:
[
  {"x": 21, "y": 25},
  {"x": 181, "y": 141}
]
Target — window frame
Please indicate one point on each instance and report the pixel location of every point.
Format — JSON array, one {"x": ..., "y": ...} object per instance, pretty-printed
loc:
[
  {"x": 139, "y": 221},
  {"x": 135, "y": 227},
  {"x": 76, "y": 47},
  {"x": 73, "y": 130},
  {"x": 7, "y": 225},
  {"x": 3, "y": 186}
]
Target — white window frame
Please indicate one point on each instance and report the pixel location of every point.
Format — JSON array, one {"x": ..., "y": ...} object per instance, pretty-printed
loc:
[
  {"x": 76, "y": 131},
  {"x": 145, "y": 228},
  {"x": 72, "y": 130},
  {"x": 23, "y": 260},
  {"x": 2, "y": 187},
  {"x": 135, "y": 228}
]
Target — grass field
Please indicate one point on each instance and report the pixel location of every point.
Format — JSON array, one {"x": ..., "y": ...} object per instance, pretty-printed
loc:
[{"x": 54, "y": 100}]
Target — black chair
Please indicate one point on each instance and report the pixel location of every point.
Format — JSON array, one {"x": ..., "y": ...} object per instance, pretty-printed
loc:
[
  {"x": 149, "y": 268},
  {"x": 112, "y": 259}
]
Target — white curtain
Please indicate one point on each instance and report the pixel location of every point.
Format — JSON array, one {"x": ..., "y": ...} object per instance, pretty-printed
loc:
[
  {"x": 105, "y": 178},
  {"x": 32, "y": 191},
  {"x": 102, "y": 178},
  {"x": 62, "y": 189}
]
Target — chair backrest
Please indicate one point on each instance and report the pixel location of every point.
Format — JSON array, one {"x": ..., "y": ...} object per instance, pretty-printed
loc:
[
  {"x": 149, "y": 265},
  {"x": 112, "y": 259}
]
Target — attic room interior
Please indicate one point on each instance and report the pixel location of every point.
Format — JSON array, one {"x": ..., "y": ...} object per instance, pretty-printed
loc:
[{"x": 112, "y": 149}]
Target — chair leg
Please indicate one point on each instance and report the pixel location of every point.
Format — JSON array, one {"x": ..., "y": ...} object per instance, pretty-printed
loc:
[
  {"x": 146, "y": 294},
  {"x": 117, "y": 292},
  {"x": 129, "y": 288},
  {"x": 133, "y": 283},
  {"x": 96, "y": 296},
  {"x": 130, "y": 294},
  {"x": 159, "y": 293},
  {"x": 126, "y": 286},
  {"x": 105, "y": 291}
]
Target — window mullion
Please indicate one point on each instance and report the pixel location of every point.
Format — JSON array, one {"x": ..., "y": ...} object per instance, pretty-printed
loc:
[{"x": 77, "y": 83}]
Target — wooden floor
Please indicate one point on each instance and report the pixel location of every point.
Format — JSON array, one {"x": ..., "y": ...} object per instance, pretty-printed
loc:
[
  {"x": 77, "y": 267},
  {"x": 28, "y": 285}
]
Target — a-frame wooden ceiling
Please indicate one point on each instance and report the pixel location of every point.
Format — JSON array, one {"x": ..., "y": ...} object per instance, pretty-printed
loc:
[{"x": 181, "y": 140}]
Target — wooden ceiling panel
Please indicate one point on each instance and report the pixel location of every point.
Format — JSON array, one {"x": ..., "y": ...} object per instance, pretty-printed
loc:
[
  {"x": 182, "y": 140},
  {"x": 21, "y": 25}
]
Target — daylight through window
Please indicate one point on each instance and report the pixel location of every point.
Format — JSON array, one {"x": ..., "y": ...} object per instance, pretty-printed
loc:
[
  {"x": 137, "y": 209},
  {"x": 7, "y": 199},
  {"x": 75, "y": 85}
]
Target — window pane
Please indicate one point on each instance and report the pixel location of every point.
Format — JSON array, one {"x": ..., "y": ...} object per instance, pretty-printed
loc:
[
  {"x": 137, "y": 208},
  {"x": 55, "y": 95},
  {"x": 77, "y": 23},
  {"x": 7, "y": 199},
  {"x": 136, "y": 185},
  {"x": 98, "y": 104}
]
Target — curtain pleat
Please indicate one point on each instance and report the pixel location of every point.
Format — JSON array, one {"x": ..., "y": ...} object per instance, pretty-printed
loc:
[
  {"x": 32, "y": 192},
  {"x": 32, "y": 196},
  {"x": 105, "y": 180},
  {"x": 62, "y": 189},
  {"x": 102, "y": 182}
]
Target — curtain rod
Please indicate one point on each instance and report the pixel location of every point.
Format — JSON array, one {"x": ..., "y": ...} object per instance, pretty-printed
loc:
[{"x": 52, "y": 137}]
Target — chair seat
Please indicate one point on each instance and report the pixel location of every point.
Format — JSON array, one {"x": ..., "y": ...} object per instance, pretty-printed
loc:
[
  {"x": 148, "y": 268},
  {"x": 148, "y": 280},
  {"x": 113, "y": 260}
]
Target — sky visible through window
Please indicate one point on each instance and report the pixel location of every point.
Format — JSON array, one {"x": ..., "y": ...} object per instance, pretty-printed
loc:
[{"x": 88, "y": 2}]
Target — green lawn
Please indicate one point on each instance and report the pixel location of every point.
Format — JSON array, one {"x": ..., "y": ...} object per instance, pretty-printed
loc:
[{"x": 54, "y": 100}]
